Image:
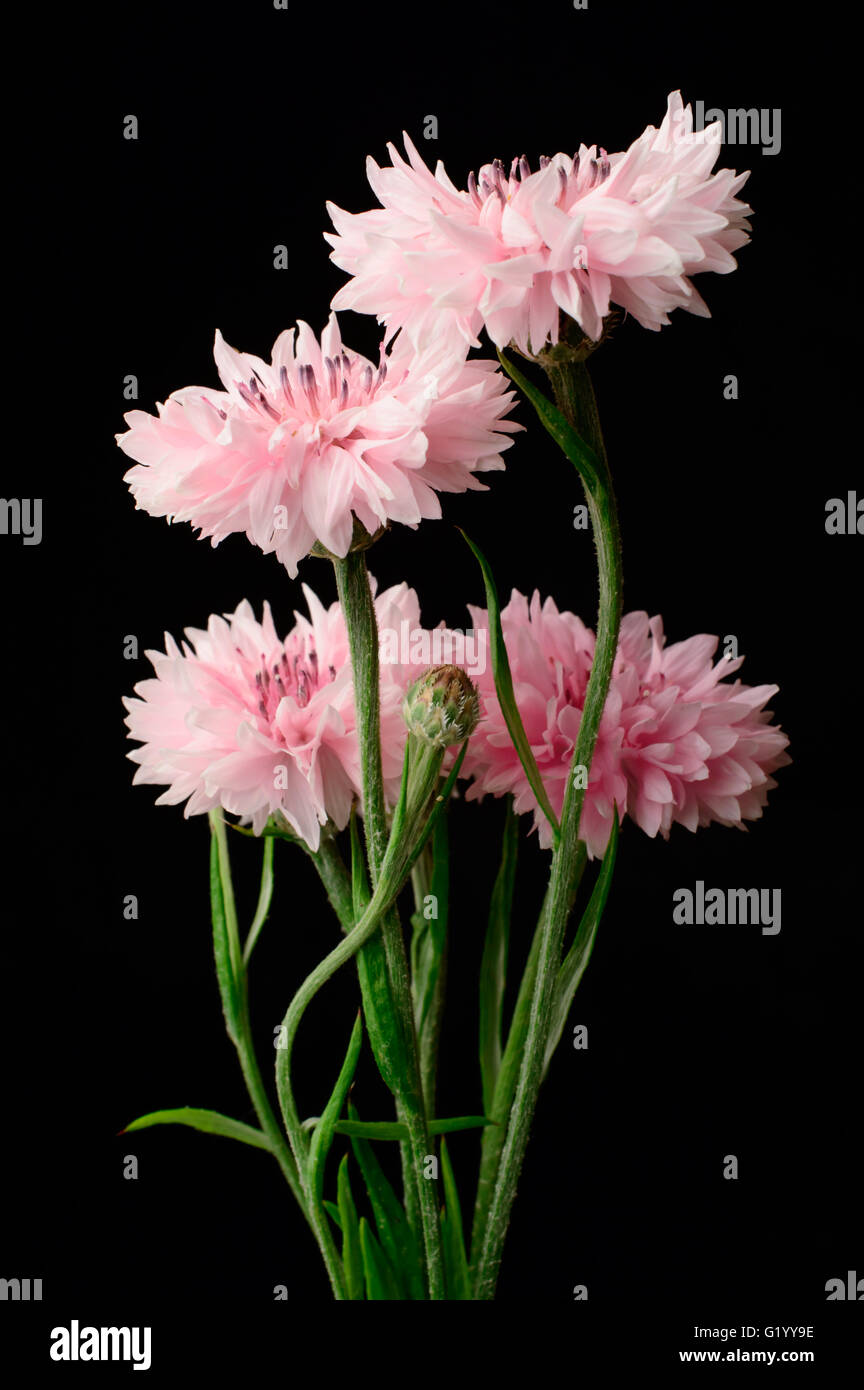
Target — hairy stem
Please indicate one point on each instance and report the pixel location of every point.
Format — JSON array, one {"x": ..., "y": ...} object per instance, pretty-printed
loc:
[
  {"x": 575, "y": 399},
  {"x": 358, "y": 608}
]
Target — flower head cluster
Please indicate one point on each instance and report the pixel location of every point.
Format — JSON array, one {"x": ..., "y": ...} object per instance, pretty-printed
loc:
[
  {"x": 262, "y": 727},
  {"x": 292, "y": 450},
  {"x": 514, "y": 249},
  {"x": 678, "y": 742}
]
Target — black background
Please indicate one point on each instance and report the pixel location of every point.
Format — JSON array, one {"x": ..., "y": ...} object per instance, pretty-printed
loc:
[{"x": 702, "y": 1042}]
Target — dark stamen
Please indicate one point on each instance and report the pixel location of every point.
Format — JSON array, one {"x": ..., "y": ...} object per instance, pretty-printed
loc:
[
  {"x": 309, "y": 384},
  {"x": 331, "y": 374}
]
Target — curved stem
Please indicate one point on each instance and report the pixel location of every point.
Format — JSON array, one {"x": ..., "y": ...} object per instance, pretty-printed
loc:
[
  {"x": 297, "y": 1136},
  {"x": 266, "y": 1115},
  {"x": 419, "y": 808},
  {"x": 239, "y": 1026},
  {"x": 575, "y": 399}
]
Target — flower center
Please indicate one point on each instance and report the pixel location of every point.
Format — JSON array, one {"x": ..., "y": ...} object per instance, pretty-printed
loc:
[
  {"x": 492, "y": 181},
  {"x": 297, "y": 676},
  {"x": 306, "y": 397}
]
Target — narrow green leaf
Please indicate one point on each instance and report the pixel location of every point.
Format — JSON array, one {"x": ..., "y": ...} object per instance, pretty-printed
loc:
[
  {"x": 455, "y": 1259},
  {"x": 580, "y": 454},
  {"x": 575, "y": 962},
  {"x": 394, "y": 1129},
  {"x": 504, "y": 691},
  {"x": 397, "y": 1238},
  {"x": 372, "y": 1129},
  {"x": 271, "y": 831},
  {"x": 222, "y": 912},
  {"x": 493, "y": 966},
  {"x": 380, "y": 1281},
  {"x": 385, "y": 1035},
  {"x": 208, "y": 1121},
  {"x": 352, "y": 1257},
  {"x": 334, "y": 1213},
  {"x": 322, "y": 1137},
  {"x": 428, "y": 959},
  {"x": 457, "y": 1123},
  {"x": 265, "y": 896},
  {"x": 402, "y": 804}
]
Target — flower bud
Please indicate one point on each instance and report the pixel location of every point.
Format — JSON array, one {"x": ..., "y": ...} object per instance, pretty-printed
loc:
[{"x": 442, "y": 706}]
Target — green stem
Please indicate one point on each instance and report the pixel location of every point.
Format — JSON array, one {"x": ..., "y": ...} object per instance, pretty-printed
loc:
[
  {"x": 297, "y": 1136},
  {"x": 271, "y": 1127},
  {"x": 413, "y": 821},
  {"x": 575, "y": 399},
  {"x": 263, "y": 1109},
  {"x": 241, "y": 1036},
  {"x": 435, "y": 860},
  {"x": 492, "y": 1143},
  {"x": 336, "y": 879},
  {"x": 358, "y": 608}
]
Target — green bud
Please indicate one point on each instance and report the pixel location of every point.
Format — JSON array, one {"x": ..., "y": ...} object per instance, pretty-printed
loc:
[{"x": 442, "y": 706}]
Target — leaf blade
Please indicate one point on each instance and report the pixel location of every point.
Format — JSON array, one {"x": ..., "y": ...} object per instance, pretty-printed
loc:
[
  {"x": 380, "y": 1282},
  {"x": 265, "y": 897},
  {"x": 322, "y": 1137},
  {"x": 394, "y": 1231},
  {"x": 576, "y": 961},
  {"x": 455, "y": 1258},
  {"x": 394, "y": 1129},
  {"x": 352, "y": 1257},
  {"x": 580, "y": 454},
  {"x": 207, "y": 1121},
  {"x": 504, "y": 690},
  {"x": 493, "y": 966},
  {"x": 428, "y": 960},
  {"x": 221, "y": 914}
]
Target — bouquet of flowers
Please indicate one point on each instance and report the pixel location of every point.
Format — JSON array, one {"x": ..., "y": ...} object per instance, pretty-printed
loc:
[{"x": 346, "y": 737}]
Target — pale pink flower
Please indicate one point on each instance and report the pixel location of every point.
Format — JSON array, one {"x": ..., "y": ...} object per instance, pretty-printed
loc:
[
  {"x": 290, "y": 449},
  {"x": 241, "y": 719},
  {"x": 678, "y": 742},
  {"x": 512, "y": 250}
]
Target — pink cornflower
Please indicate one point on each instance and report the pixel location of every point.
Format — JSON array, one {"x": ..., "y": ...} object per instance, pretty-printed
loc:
[
  {"x": 515, "y": 249},
  {"x": 262, "y": 727},
  {"x": 678, "y": 742},
  {"x": 293, "y": 449}
]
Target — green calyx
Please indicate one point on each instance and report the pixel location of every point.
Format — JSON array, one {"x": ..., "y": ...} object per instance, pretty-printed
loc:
[{"x": 442, "y": 707}]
